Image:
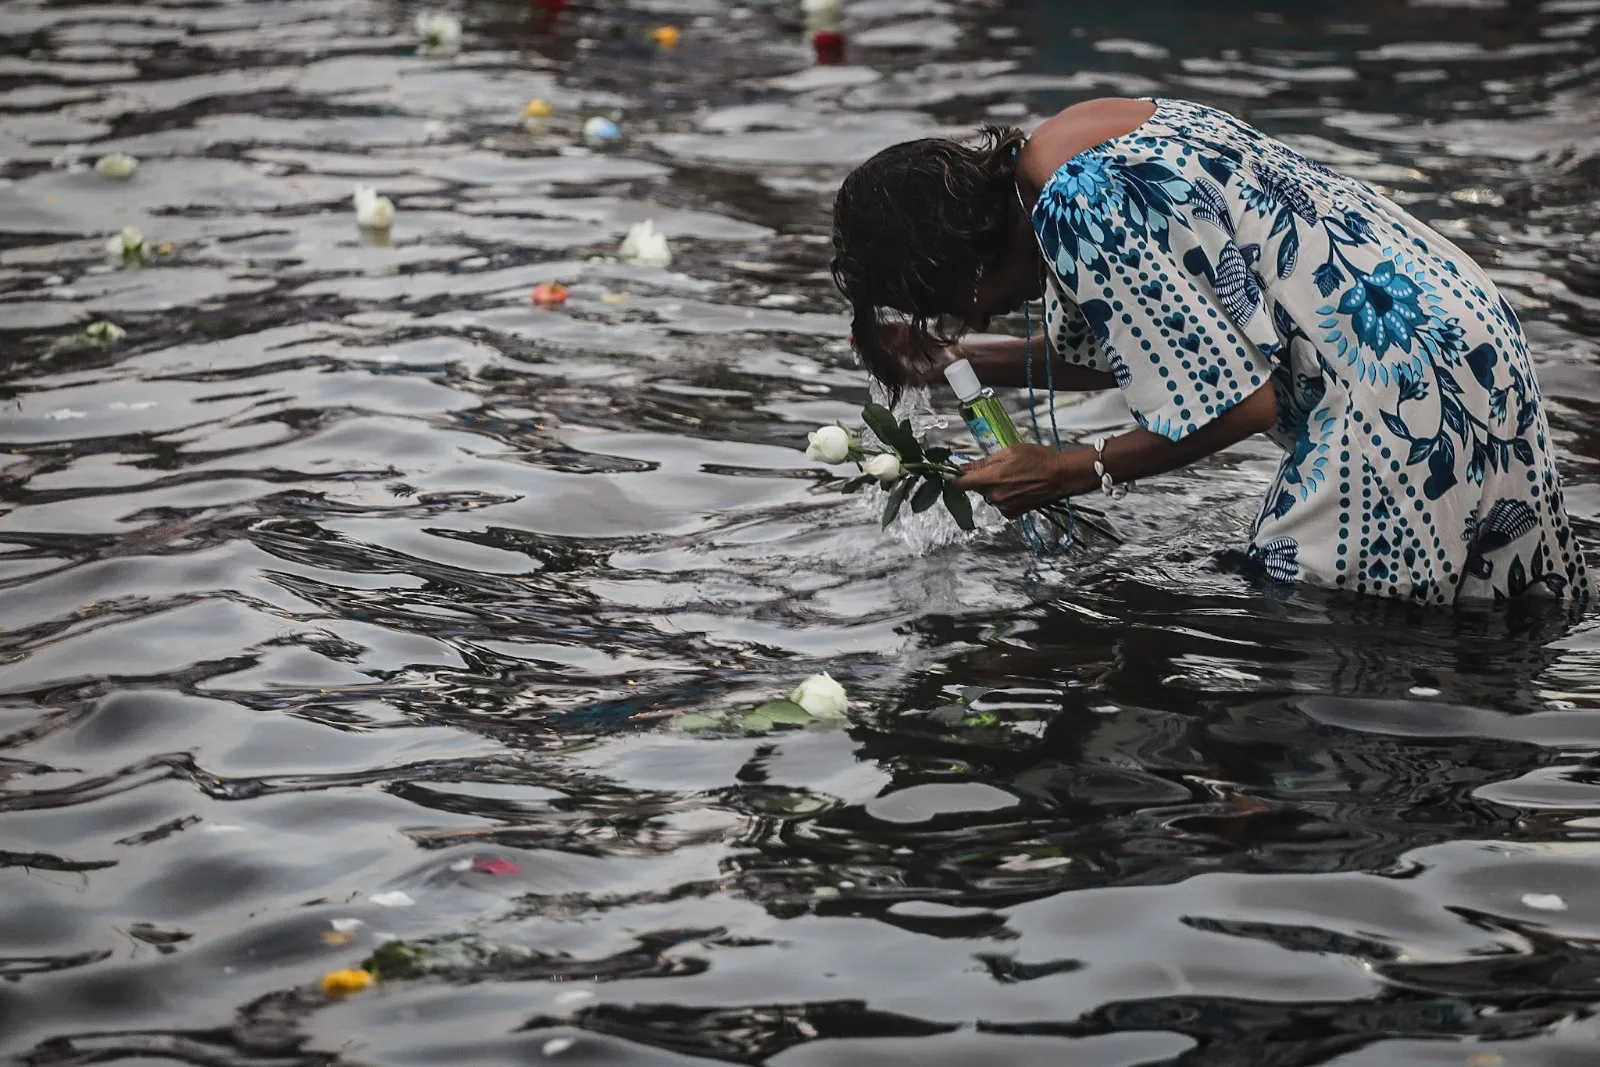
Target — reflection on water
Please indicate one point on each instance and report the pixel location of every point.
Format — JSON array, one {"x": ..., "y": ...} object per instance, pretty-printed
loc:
[{"x": 351, "y": 586}]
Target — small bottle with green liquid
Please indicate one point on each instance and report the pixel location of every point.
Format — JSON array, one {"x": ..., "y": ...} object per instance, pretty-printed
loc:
[{"x": 991, "y": 427}]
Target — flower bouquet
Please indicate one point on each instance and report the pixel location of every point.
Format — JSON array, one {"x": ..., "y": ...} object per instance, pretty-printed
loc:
[{"x": 923, "y": 474}]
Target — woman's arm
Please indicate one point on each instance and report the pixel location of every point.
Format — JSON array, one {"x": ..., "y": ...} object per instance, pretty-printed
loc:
[{"x": 1023, "y": 477}]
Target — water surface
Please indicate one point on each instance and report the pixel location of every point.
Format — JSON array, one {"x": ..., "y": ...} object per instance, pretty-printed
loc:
[{"x": 348, "y": 573}]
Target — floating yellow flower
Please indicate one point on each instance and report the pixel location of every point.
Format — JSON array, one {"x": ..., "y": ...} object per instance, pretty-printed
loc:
[
  {"x": 665, "y": 36},
  {"x": 537, "y": 109},
  {"x": 340, "y": 984}
]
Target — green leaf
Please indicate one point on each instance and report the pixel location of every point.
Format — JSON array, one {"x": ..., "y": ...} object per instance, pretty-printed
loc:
[
  {"x": 756, "y": 724},
  {"x": 960, "y": 508},
  {"x": 880, "y": 420},
  {"x": 855, "y": 485},
  {"x": 896, "y": 435},
  {"x": 907, "y": 443},
  {"x": 927, "y": 494},
  {"x": 897, "y": 496},
  {"x": 695, "y": 721},
  {"x": 786, "y": 712},
  {"x": 937, "y": 454}
]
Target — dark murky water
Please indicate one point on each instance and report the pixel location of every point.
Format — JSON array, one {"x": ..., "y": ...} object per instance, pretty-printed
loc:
[{"x": 347, "y": 566}]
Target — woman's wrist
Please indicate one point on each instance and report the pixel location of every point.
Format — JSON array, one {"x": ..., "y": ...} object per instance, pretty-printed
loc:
[{"x": 1074, "y": 472}]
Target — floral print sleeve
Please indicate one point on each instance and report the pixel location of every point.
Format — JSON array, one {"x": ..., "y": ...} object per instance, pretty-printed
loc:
[
  {"x": 1171, "y": 305},
  {"x": 1198, "y": 260}
]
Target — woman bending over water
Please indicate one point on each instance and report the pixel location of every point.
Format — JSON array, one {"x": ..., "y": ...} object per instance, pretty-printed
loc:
[{"x": 1228, "y": 286}]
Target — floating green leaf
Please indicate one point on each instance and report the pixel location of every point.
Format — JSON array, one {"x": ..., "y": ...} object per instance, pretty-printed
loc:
[
  {"x": 785, "y": 712},
  {"x": 695, "y": 721},
  {"x": 756, "y": 723}
]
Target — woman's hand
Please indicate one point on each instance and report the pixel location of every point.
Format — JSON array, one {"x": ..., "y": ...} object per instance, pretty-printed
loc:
[{"x": 1027, "y": 476}]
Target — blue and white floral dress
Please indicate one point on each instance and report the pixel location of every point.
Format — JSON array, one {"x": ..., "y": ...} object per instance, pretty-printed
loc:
[{"x": 1197, "y": 259}]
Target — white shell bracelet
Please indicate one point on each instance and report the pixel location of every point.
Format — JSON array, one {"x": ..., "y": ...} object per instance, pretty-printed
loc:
[{"x": 1107, "y": 486}]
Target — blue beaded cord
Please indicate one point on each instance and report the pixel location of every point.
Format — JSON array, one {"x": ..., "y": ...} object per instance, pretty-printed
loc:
[{"x": 1042, "y": 535}]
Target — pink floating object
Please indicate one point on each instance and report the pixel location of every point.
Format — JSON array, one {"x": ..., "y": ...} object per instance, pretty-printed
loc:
[{"x": 496, "y": 866}]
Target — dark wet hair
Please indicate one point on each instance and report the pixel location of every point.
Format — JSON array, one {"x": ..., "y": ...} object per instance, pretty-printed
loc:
[{"x": 914, "y": 227}]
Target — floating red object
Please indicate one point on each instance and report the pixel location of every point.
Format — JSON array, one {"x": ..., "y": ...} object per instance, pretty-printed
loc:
[
  {"x": 496, "y": 866},
  {"x": 829, "y": 47},
  {"x": 549, "y": 295}
]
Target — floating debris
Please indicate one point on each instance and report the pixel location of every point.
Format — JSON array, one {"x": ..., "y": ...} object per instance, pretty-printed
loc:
[
  {"x": 549, "y": 295},
  {"x": 645, "y": 246},
  {"x": 440, "y": 33},
  {"x": 118, "y": 165},
  {"x": 1544, "y": 901},
  {"x": 373, "y": 212},
  {"x": 828, "y": 48},
  {"x": 601, "y": 130},
  {"x": 665, "y": 36},
  {"x": 336, "y": 938},
  {"x": 340, "y": 984},
  {"x": 557, "y": 1045},
  {"x": 1423, "y": 691},
  {"x": 62, "y": 414}
]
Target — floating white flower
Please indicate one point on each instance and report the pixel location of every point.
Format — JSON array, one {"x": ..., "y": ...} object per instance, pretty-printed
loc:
[
  {"x": 117, "y": 165},
  {"x": 820, "y": 14},
  {"x": 104, "y": 333},
  {"x": 886, "y": 468},
  {"x": 1544, "y": 901},
  {"x": 830, "y": 444},
  {"x": 373, "y": 212},
  {"x": 822, "y": 697},
  {"x": 127, "y": 247},
  {"x": 396, "y": 898},
  {"x": 645, "y": 246},
  {"x": 440, "y": 33}
]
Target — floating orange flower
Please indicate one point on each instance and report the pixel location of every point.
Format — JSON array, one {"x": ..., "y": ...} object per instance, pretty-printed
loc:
[
  {"x": 665, "y": 36},
  {"x": 340, "y": 984},
  {"x": 537, "y": 109},
  {"x": 550, "y": 294}
]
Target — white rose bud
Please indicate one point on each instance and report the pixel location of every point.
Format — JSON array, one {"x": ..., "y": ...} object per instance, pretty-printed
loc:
[
  {"x": 830, "y": 444},
  {"x": 822, "y": 697},
  {"x": 886, "y": 468}
]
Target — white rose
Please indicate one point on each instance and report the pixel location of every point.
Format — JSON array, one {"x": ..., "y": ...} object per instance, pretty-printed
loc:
[
  {"x": 373, "y": 212},
  {"x": 830, "y": 444},
  {"x": 127, "y": 246},
  {"x": 822, "y": 697},
  {"x": 440, "y": 33},
  {"x": 645, "y": 246},
  {"x": 886, "y": 468}
]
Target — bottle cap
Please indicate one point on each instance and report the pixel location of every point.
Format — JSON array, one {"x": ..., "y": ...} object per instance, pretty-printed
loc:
[{"x": 963, "y": 379}]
